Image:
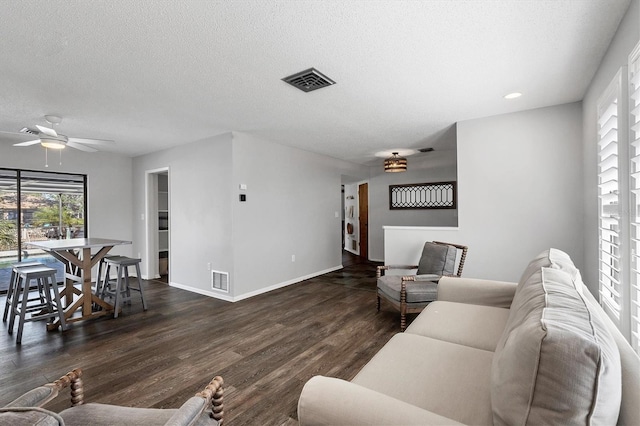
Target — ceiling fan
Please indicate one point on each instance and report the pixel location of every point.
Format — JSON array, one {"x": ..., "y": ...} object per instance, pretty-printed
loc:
[{"x": 49, "y": 138}]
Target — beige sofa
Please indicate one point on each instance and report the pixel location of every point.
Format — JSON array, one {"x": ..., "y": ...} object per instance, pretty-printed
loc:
[{"x": 541, "y": 351}]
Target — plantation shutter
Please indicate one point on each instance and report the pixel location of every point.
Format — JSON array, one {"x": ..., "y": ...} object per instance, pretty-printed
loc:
[
  {"x": 634, "y": 156},
  {"x": 610, "y": 249}
]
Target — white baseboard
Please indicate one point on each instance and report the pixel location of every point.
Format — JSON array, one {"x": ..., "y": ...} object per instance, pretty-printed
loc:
[
  {"x": 210, "y": 293},
  {"x": 227, "y": 298}
]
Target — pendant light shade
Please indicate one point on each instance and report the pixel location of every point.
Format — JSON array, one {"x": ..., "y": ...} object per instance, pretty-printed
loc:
[{"x": 395, "y": 164}]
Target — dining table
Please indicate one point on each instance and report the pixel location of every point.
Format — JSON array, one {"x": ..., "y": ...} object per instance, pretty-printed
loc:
[{"x": 79, "y": 255}]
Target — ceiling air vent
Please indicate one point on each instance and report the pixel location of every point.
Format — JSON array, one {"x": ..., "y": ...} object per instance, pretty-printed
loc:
[{"x": 309, "y": 80}]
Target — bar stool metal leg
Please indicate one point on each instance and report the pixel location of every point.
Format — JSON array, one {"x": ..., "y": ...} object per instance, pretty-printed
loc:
[
  {"x": 51, "y": 307},
  {"x": 144, "y": 302},
  {"x": 13, "y": 281}
]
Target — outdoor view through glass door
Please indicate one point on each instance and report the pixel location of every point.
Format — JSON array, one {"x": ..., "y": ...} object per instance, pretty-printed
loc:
[{"x": 38, "y": 206}]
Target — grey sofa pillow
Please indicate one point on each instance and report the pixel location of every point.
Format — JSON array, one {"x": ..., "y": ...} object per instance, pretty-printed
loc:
[
  {"x": 556, "y": 362},
  {"x": 437, "y": 259}
]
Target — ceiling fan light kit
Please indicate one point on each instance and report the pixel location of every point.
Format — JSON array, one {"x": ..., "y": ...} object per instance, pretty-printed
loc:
[
  {"x": 395, "y": 164},
  {"x": 52, "y": 143}
]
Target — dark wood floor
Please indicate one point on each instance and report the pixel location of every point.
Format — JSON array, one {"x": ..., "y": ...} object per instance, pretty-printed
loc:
[{"x": 265, "y": 347}]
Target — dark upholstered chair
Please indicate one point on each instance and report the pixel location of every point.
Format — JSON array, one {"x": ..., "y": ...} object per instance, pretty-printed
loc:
[
  {"x": 205, "y": 408},
  {"x": 411, "y": 293}
]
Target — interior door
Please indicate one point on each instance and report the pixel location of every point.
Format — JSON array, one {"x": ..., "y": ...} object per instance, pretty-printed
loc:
[{"x": 363, "y": 219}]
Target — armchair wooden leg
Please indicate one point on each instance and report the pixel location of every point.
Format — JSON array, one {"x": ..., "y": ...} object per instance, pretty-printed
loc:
[
  {"x": 378, "y": 304},
  {"x": 215, "y": 393},
  {"x": 74, "y": 381},
  {"x": 403, "y": 306},
  {"x": 218, "y": 404}
]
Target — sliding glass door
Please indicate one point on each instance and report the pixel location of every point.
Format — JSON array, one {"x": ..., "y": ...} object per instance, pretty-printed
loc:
[
  {"x": 38, "y": 206},
  {"x": 8, "y": 224}
]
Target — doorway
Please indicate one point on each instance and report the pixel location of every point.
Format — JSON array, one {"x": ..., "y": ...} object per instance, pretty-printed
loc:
[
  {"x": 158, "y": 214},
  {"x": 363, "y": 219}
]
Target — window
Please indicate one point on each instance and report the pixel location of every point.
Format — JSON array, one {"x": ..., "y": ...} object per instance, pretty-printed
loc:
[
  {"x": 38, "y": 206},
  {"x": 634, "y": 156},
  {"x": 619, "y": 199}
]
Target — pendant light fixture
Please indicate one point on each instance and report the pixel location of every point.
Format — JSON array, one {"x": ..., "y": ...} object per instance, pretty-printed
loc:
[{"x": 395, "y": 164}]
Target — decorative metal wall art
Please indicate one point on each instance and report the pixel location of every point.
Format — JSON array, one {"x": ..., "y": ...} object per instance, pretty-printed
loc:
[{"x": 433, "y": 195}]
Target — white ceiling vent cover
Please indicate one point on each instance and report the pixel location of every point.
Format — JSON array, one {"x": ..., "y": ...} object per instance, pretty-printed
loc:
[
  {"x": 220, "y": 281},
  {"x": 309, "y": 80}
]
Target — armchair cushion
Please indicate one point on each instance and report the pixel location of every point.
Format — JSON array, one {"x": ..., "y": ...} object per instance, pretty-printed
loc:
[
  {"x": 417, "y": 291},
  {"x": 438, "y": 259},
  {"x": 105, "y": 414},
  {"x": 29, "y": 416}
]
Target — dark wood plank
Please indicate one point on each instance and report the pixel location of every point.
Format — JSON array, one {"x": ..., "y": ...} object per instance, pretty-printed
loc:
[{"x": 265, "y": 347}]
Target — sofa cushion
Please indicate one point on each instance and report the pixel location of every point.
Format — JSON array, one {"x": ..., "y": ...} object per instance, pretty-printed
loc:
[
  {"x": 470, "y": 325},
  {"x": 445, "y": 378},
  {"x": 437, "y": 259},
  {"x": 556, "y": 362},
  {"x": 417, "y": 291}
]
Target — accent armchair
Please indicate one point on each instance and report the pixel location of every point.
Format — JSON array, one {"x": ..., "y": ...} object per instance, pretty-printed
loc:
[
  {"x": 205, "y": 408},
  {"x": 412, "y": 293}
]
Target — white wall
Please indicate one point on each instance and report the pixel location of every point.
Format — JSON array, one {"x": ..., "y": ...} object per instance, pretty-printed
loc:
[
  {"x": 520, "y": 190},
  {"x": 293, "y": 208},
  {"x": 108, "y": 179},
  {"x": 292, "y": 200},
  {"x": 199, "y": 213},
  {"x": 626, "y": 38}
]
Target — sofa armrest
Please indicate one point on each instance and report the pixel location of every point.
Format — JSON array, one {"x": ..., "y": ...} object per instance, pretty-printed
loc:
[
  {"x": 476, "y": 291},
  {"x": 330, "y": 401}
]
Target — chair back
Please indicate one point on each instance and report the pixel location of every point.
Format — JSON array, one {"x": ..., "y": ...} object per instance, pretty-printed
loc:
[{"x": 463, "y": 254}]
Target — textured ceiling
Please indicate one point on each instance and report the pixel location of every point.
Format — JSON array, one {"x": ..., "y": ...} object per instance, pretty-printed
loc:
[{"x": 156, "y": 74}]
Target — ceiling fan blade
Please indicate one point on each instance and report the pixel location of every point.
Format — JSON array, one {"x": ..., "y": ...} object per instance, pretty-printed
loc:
[
  {"x": 27, "y": 143},
  {"x": 16, "y": 137},
  {"x": 47, "y": 131},
  {"x": 79, "y": 146},
  {"x": 92, "y": 141}
]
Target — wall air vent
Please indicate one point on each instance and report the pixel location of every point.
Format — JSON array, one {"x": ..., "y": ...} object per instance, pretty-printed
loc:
[
  {"x": 220, "y": 281},
  {"x": 309, "y": 80}
]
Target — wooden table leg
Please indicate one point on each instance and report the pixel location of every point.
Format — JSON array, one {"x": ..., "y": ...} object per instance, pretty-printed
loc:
[{"x": 84, "y": 303}]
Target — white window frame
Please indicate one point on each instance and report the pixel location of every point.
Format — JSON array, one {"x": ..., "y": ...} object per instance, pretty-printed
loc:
[
  {"x": 618, "y": 137},
  {"x": 633, "y": 108}
]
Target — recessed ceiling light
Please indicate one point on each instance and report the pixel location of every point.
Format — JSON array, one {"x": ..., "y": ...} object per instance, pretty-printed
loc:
[{"x": 513, "y": 95}]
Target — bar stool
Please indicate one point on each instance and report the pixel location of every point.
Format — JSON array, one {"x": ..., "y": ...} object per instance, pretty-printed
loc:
[
  {"x": 50, "y": 308},
  {"x": 102, "y": 266},
  {"x": 122, "y": 291},
  {"x": 13, "y": 282}
]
